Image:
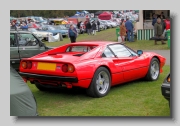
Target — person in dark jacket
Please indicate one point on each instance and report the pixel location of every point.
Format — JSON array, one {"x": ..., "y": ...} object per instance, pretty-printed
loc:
[
  {"x": 154, "y": 19},
  {"x": 88, "y": 27},
  {"x": 72, "y": 32},
  {"x": 158, "y": 30},
  {"x": 98, "y": 24},
  {"x": 79, "y": 24},
  {"x": 94, "y": 28},
  {"x": 162, "y": 15},
  {"x": 129, "y": 26}
]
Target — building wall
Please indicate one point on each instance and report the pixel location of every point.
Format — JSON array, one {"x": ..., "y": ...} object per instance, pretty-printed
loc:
[{"x": 139, "y": 25}]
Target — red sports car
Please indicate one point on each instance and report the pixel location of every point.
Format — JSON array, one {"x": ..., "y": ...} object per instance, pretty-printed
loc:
[{"x": 95, "y": 66}]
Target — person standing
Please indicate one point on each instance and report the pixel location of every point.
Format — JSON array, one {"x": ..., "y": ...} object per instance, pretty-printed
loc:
[
  {"x": 13, "y": 26},
  {"x": 88, "y": 27},
  {"x": 158, "y": 29},
  {"x": 154, "y": 20},
  {"x": 129, "y": 26},
  {"x": 162, "y": 15},
  {"x": 72, "y": 32},
  {"x": 94, "y": 28},
  {"x": 122, "y": 32},
  {"x": 98, "y": 24}
]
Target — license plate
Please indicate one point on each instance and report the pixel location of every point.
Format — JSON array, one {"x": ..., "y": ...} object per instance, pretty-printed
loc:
[{"x": 46, "y": 66}]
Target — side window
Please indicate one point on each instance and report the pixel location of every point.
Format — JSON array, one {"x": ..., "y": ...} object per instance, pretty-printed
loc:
[
  {"x": 26, "y": 39},
  {"x": 107, "y": 53},
  {"x": 12, "y": 40},
  {"x": 120, "y": 50},
  {"x": 132, "y": 52}
]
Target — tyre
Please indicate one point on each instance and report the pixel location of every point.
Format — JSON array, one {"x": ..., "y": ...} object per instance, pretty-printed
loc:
[
  {"x": 100, "y": 84},
  {"x": 154, "y": 70}
]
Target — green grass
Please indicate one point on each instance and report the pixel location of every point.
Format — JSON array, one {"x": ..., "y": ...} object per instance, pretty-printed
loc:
[
  {"x": 110, "y": 35},
  {"x": 137, "y": 98}
]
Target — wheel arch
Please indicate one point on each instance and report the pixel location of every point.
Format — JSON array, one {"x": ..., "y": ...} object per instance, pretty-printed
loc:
[{"x": 105, "y": 67}]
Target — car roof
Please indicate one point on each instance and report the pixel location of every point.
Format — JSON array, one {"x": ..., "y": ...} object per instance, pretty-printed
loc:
[
  {"x": 19, "y": 31},
  {"x": 99, "y": 43}
]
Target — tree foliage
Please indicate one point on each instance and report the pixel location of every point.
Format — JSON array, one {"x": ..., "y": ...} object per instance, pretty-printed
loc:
[{"x": 45, "y": 13}]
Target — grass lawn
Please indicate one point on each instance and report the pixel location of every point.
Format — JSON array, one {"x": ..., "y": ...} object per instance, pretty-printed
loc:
[
  {"x": 110, "y": 35},
  {"x": 137, "y": 98}
]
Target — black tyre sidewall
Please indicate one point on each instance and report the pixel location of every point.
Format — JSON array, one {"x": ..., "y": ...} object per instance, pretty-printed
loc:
[
  {"x": 92, "y": 90},
  {"x": 148, "y": 76}
]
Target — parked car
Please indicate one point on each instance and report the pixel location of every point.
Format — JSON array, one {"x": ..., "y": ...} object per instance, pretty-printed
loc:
[
  {"x": 107, "y": 23},
  {"x": 113, "y": 24},
  {"x": 94, "y": 66},
  {"x": 38, "y": 19},
  {"x": 24, "y": 44},
  {"x": 44, "y": 35},
  {"x": 22, "y": 101},
  {"x": 63, "y": 28},
  {"x": 165, "y": 88},
  {"x": 33, "y": 25},
  {"x": 54, "y": 30}
]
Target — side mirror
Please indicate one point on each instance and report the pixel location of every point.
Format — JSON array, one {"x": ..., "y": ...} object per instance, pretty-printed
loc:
[{"x": 139, "y": 52}]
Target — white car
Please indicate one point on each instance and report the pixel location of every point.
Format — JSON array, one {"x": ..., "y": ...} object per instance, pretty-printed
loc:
[
  {"x": 40, "y": 34},
  {"x": 113, "y": 24}
]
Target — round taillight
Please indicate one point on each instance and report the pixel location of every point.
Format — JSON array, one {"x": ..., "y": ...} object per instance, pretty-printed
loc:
[
  {"x": 70, "y": 68},
  {"x": 65, "y": 68},
  {"x": 29, "y": 64},
  {"x": 24, "y": 65}
]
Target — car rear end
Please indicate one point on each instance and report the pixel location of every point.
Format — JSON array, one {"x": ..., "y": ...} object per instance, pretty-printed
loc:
[{"x": 55, "y": 73}]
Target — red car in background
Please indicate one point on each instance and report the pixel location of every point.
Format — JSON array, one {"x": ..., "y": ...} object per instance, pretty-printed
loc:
[
  {"x": 33, "y": 25},
  {"x": 95, "y": 66}
]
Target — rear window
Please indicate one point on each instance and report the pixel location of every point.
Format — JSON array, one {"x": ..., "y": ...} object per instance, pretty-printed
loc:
[{"x": 80, "y": 48}]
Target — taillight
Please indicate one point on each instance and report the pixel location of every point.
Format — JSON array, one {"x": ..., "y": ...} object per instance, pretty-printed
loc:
[
  {"x": 29, "y": 65},
  {"x": 65, "y": 68},
  {"x": 68, "y": 68},
  {"x": 26, "y": 64}
]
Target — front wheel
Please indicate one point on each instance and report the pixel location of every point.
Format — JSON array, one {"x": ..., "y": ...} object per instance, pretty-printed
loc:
[
  {"x": 100, "y": 84},
  {"x": 154, "y": 70}
]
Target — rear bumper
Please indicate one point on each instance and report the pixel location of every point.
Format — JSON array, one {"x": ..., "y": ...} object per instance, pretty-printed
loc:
[
  {"x": 49, "y": 77},
  {"x": 165, "y": 90}
]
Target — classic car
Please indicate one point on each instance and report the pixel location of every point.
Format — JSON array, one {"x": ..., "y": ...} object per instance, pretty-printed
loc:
[
  {"x": 44, "y": 34},
  {"x": 63, "y": 28},
  {"x": 93, "y": 65},
  {"x": 165, "y": 88},
  {"x": 33, "y": 25},
  {"x": 106, "y": 23},
  {"x": 24, "y": 44},
  {"x": 54, "y": 30}
]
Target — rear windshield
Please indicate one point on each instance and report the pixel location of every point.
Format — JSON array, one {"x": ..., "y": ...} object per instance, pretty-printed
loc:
[{"x": 78, "y": 48}]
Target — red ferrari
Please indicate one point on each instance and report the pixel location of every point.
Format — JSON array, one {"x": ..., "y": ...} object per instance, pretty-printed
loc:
[{"x": 95, "y": 66}]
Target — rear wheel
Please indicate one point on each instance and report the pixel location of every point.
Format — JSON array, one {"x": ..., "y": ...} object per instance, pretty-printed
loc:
[
  {"x": 154, "y": 70},
  {"x": 100, "y": 84}
]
